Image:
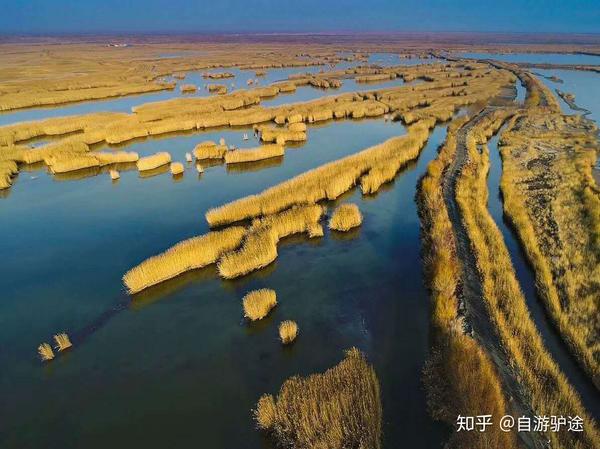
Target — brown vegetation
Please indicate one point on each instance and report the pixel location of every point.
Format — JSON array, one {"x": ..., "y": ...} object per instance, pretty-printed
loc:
[
  {"x": 258, "y": 303},
  {"x": 154, "y": 161},
  {"x": 338, "y": 409},
  {"x": 253, "y": 154},
  {"x": 288, "y": 331},
  {"x": 345, "y": 217}
]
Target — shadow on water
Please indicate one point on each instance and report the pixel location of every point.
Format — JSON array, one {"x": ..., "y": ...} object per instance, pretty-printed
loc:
[{"x": 553, "y": 342}]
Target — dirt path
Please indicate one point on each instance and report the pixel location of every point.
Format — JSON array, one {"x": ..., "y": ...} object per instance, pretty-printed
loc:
[{"x": 472, "y": 304}]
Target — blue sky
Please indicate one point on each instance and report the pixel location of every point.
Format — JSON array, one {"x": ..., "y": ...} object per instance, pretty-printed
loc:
[{"x": 135, "y": 16}]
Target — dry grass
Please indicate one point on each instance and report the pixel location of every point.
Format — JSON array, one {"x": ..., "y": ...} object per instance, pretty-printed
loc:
[
  {"x": 297, "y": 127},
  {"x": 345, "y": 217},
  {"x": 326, "y": 182},
  {"x": 288, "y": 331},
  {"x": 190, "y": 254},
  {"x": 219, "y": 89},
  {"x": 155, "y": 161},
  {"x": 338, "y": 409},
  {"x": 177, "y": 168},
  {"x": 45, "y": 352},
  {"x": 62, "y": 342},
  {"x": 114, "y": 175},
  {"x": 253, "y": 154},
  {"x": 209, "y": 150},
  {"x": 258, "y": 303},
  {"x": 188, "y": 88},
  {"x": 7, "y": 170},
  {"x": 459, "y": 376},
  {"x": 259, "y": 248},
  {"x": 547, "y": 388},
  {"x": 554, "y": 204}
]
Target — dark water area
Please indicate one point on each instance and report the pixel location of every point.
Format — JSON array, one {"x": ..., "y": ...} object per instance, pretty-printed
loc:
[
  {"x": 178, "y": 363},
  {"x": 526, "y": 277}
]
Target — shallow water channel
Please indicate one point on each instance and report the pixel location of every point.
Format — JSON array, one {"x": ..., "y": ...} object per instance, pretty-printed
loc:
[{"x": 178, "y": 363}]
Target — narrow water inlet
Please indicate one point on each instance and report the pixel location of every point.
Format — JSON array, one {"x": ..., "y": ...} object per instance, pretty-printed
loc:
[{"x": 553, "y": 342}]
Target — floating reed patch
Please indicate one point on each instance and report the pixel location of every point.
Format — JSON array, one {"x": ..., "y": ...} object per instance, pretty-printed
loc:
[
  {"x": 338, "y": 409},
  {"x": 260, "y": 244},
  {"x": 258, "y": 303},
  {"x": 220, "y": 89},
  {"x": 188, "y": 88},
  {"x": 155, "y": 161},
  {"x": 210, "y": 150},
  {"x": 7, "y": 170},
  {"x": 288, "y": 331},
  {"x": 253, "y": 154},
  {"x": 345, "y": 217},
  {"x": 190, "y": 254},
  {"x": 114, "y": 175},
  {"x": 177, "y": 168},
  {"x": 45, "y": 352},
  {"x": 62, "y": 342}
]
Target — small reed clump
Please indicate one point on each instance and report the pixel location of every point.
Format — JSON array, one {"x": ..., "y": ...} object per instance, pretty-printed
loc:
[
  {"x": 177, "y": 168},
  {"x": 254, "y": 154},
  {"x": 154, "y": 161},
  {"x": 45, "y": 352},
  {"x": 258, "y": 303},
  {"x": 114, "y": 175},
  {"x": 188, "y": 88},
  {"x": 210, "y": 150},
  {"x": 62, "y": 342},
  {"x": 345, "y": 217},
  {"x": 340, "y": 408},
  {"x": 288, "y": 331}
]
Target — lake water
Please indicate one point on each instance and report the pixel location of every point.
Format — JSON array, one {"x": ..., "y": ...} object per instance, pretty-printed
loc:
[
  {"x": 178, "y": 363},
  {"x": 536, "y": 58}
]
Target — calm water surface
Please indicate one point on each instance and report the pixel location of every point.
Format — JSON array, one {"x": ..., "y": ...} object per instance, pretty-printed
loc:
[
  {"x": 537, "y": 58},
  {"x": 178, "y": 363}
]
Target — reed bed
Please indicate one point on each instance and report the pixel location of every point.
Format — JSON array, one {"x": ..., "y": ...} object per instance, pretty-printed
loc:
[
  {"x": 190, "y": 254},
  {"x": 259, "y": 247},
  {"x": 345, "y": 217},
  {"x": 45, "y": 352},
  {"x": 258, "y": 303},
  {"x": 73, "y": 163},
  {"x": 209, "y": 150},
  {"x": 508, "y": 310},
  {"x": 288, "y": 331},
  {"x": 114, "y": 175},
  {"x": 177, "y": 168},
  {"x": 155, "y": 161},
  {"x": 459, "y": 376},
  {"x": 62, "y": 342},
  {"x": 8, "y": 169},
  {"x": 297, "y": 127},
  {"x": 338, "y": 409},
  {"x": 218, "y": 75},
  {"x": 554, "y": 204},
  {"x": 281, "y": 135},
  {"x": 326, "y": 182},
  {"x": 254, "y": 154}
]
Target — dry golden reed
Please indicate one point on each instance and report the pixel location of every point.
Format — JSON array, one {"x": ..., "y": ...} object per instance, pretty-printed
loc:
[
  {"x": 177, "y": 168},
  {"x": 62, "y": 342},
  {"x": 45, "y": 352},
  {"x": 338, "y": 409},
  {"x": 190, "y": 254},
  {"x": 258, "y": 303},
  {"x": 210, "y": 150},
  {"x": 253, "y": 154},
  {"x": 154, "y": 161},
  {"x": 288, "y": 331},
  {"x": 345, "y": 217},
  {"x": 114, "y": 175},
  {"x": 259, "y": 248},
  {"x": 328, "y": 181}
]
